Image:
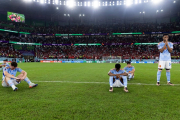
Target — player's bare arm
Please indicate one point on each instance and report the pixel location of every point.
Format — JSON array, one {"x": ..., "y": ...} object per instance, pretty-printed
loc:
[
  {"x": 169, "y": 49},
  {"x": 24, "y": 74},
  {"x": 132, "y": 71},
  {"x": 124, "y": 74},
  {"x": 9, "y": 75},
  {"x": 2, "y": 66},
  {"x": 162, "y": 49},
  {"x": 111, "y": 74}
]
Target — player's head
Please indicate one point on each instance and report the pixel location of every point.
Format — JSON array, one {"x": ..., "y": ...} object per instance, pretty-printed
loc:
[
  {"x": 117, "y": 66},
  {"x": 165, "y": 37},
  {"x": 128, "y": 64},
  {"x": 13, "y": 65},
  {"x": 4, "y": 61}
]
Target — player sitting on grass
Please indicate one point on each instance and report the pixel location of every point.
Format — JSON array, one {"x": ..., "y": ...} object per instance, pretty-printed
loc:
[
  {"x": 10, "y": 80},
  {"x": 5, "y": 64},
  {"x": 130, "y": 70},
  {"x": 117, "y": 75}
]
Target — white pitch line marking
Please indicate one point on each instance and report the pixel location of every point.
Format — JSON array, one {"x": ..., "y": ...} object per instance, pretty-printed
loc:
[{"x": 95, "y": 82}]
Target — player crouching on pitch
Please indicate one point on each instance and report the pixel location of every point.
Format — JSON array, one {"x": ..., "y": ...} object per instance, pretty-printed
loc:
[
  {"x": 130, "y": 70},
  {"x": 11, "y": 81},
  {"x": 118, "y": 78}
]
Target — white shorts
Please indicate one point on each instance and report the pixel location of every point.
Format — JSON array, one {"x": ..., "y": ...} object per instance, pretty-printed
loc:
[
  {"x": 164, "y": 64},
  {"x": 4, "y": 84},
  {"x": 117, "y": 83}
]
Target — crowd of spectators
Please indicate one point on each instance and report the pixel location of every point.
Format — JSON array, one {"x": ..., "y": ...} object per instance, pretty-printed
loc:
[
  {"x": 82, "y": 29},
  {"x": 90, "y": 39},
  {"x": 9, "y": 51},
  {"x": 91, "y": 52},
  {"x": 108, "y": 47}
]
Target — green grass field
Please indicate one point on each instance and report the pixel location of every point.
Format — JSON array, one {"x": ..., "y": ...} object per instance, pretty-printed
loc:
[{"x": 76, "y": 98}]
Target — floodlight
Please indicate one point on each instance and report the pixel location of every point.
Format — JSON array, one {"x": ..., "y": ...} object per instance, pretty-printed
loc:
[
  {"x": 88, "y": 3},
  {"x": 156, "y": 1},
  {"x": 129, "y": 2},
  {"x": 28, "y": 0},
  {"x": 84, "y": 3},
  {"x": 136, "y": 1},
  {"x": 71, "y": 3},
  {"x": 42, "y": 1},
  {"x": 56, "y": 1},
  {"x": 57, "y": 8},
  {"x": 95, "y": 4}
]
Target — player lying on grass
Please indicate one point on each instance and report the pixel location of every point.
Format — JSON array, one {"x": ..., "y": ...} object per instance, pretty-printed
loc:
[
  {"x": 166, "y": 48},
  {"x": 118, "y": 78},
  {"x": 10, "y": 80},
  {"x": 130, "y": 70}
]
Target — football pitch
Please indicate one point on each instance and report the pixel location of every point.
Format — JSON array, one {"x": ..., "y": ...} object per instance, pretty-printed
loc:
[{"x": 81, "y": 92}]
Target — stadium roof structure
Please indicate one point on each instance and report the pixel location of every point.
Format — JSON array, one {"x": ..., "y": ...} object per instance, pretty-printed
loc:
[{"x": 100, "y": 9}]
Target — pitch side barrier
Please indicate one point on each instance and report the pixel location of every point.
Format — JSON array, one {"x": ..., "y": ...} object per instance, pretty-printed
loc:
[
  {"x": 137, "y": 62},
  {"x": 48, "y": 61}
]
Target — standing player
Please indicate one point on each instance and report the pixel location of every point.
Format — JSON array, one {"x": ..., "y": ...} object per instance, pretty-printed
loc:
[
  {"x": 120, "y": 75},
  {"x": 11, "y": 81},
  {"x": 165, "y": 47},
  {"x": 130, "y": 70}
]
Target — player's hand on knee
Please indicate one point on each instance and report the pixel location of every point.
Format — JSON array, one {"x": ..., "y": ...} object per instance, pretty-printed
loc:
[
  {"x": 18, "y": 79},
  {"x": 21, "y": 78}
]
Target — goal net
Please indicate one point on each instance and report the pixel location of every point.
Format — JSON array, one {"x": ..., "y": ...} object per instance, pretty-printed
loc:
[{"x": 112, "y": 59}]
